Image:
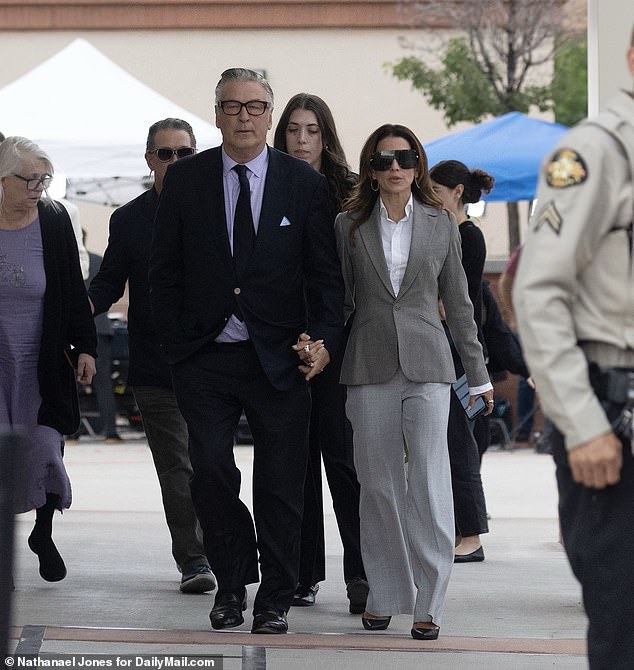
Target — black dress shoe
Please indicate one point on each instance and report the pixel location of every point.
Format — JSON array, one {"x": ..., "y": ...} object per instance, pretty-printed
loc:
[
  {"x": 474, "y": 557},
  {"x": 52, "y": 567},
  {"x": 270, "y": 622},
  {"x": 376, "y": 624},
  {"x": 357, "y": 591},
  {"x": 305, "y": 595},
  {"x": 227, "y": 609},
  {"x": 425, "y": 633}
]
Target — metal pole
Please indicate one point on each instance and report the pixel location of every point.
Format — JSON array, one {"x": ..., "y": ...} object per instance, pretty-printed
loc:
[{"x": 10, "y": 451}]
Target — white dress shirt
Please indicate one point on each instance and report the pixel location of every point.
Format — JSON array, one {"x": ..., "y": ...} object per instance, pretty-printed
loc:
[{"x": 396, "y": 237}]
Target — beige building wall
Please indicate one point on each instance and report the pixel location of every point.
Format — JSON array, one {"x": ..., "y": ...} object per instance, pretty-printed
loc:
[
  {"x": 344, "y": 67},
  {"x": 609, "y": 32}
]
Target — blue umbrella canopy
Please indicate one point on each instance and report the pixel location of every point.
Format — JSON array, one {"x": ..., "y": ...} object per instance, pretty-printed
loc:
[{"x": 510, "y": 147}]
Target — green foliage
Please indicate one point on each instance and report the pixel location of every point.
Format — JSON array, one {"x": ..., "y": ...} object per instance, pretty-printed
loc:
[
  {"x": 570, "y": 88},
  {"x": 461, "y": 88}
]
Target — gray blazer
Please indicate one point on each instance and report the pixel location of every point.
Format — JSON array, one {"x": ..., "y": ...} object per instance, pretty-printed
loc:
[{"x": 389, "y": 331}]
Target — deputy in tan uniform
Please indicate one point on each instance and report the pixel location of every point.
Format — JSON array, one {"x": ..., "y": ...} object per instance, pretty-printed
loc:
[{"x": 574, "y": 299}]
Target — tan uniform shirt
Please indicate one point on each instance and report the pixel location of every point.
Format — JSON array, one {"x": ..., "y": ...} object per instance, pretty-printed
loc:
[{"x": 574, "y": 291}]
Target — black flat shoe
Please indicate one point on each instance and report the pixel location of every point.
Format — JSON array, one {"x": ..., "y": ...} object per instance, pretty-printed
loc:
[
  {"x": 227, "y": 609},
  {"x": 376, "y": 624},
  {"x": 305, "y": 595},
  {"x": 425, "y": 633},
  {"x": 474, "y": 557},
  {"x": 52, "y": 567},
  {"x": 271, "y": 622}
]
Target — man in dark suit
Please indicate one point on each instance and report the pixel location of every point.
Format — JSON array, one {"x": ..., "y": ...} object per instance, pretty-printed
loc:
[
  {"x": 244, "y": 261},
  {"x": 126, "y": 262}
]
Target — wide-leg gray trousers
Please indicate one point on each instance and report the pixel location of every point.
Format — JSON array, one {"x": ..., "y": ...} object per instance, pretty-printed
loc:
[{"x": 406, "y": 510}]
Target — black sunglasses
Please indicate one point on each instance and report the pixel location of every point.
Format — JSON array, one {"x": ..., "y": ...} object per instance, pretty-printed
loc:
[
  {"x": 165, "y": 154},
  {"x": 382, "y": 160}
]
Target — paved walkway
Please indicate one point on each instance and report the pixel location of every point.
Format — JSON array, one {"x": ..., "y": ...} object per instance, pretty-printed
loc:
[{"x": 520, "y": 609}]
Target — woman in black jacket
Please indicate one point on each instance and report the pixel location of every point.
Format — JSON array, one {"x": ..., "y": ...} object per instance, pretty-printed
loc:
[
  {"x": 307, "y": 131},
  {"x": 47, "y": 338},
  {"x": 457, "y": 186}
]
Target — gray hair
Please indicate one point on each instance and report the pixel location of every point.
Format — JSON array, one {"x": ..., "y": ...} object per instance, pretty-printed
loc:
[
  {"x": 243, "y": 74},
  {"x": 13, "y": 151}
]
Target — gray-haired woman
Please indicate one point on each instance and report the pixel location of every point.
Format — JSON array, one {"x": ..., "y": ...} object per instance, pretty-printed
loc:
[{"x": 47, "y": 337}]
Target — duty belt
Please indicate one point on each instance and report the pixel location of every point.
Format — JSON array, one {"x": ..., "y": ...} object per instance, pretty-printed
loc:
[{"x": 615, "y": 387}]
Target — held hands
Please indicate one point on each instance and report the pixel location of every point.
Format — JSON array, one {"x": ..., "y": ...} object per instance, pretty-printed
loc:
[
  {"x": 85, "y": 368},
  {"x": 597, "y": 463},
  {"x": 314, "y": 356},
  {"x": 487, "y": 396}
]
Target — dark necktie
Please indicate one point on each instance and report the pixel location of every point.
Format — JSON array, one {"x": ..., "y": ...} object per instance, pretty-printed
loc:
[{"x": 243, "y": 231}]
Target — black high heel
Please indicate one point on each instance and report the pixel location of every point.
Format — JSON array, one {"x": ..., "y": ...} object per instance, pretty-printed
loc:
[
  {"x": 375, "y": 624},
  {"x": 425, "y": 633}
]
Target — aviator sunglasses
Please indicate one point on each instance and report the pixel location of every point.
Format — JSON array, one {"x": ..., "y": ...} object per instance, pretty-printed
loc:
[
  {"x": 165, "y": 154},
  {"x": 382, "y": 160}
]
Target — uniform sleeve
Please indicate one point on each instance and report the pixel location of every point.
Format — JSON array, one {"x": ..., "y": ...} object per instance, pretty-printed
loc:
[{"x": 575, "y": 211}]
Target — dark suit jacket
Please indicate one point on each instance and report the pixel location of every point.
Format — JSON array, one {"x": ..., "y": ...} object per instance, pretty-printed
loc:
[
  {"x": 67, "y": 322},
  {"x": 126, "y": 259},
  {"x": 294, "y": 280}
]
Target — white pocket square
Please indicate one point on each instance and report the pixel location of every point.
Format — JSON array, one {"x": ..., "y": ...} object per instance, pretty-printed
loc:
[{"x": 285, "y": 222}]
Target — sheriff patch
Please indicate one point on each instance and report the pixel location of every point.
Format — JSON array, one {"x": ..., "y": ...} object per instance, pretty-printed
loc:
[
  {"x": 566, "y": 168},
  {"x": 549, "y": 216}
]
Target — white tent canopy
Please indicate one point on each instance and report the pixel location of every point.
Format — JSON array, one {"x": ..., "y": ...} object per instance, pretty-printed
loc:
[{"x": 92, "y": 118}]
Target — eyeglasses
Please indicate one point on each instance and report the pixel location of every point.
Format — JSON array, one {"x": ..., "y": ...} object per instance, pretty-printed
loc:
[
  {"x": 234, "y": 107},
  {"x": 34, "y": 183},
  {"x": 165, "y": 154},
  {"x": 406, "y": 158}
]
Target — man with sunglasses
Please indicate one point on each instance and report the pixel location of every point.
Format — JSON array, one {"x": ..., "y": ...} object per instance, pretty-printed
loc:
[
  {"x": 126, "y": 260},
  {"x": 244, "y": 262}
]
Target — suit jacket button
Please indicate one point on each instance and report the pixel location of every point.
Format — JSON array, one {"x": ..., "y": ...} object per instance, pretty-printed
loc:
[
  {"x": 396, "y": 307},
  {"x": 236, "y": 290}
]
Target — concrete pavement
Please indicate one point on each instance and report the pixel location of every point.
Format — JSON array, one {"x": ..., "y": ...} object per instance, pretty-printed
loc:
[{"x": 520, "y": 608}]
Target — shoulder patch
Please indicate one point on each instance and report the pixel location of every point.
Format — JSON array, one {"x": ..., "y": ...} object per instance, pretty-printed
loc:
[
  {"x": 550, "y": 216},
  {"x": 566, "y": 168}
]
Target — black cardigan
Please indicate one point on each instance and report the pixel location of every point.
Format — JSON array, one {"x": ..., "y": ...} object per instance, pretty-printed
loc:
[{"x": 67, "y": 321}]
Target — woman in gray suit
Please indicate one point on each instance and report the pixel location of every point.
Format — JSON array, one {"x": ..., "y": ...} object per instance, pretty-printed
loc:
[{"x": 400, "y": 253}]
